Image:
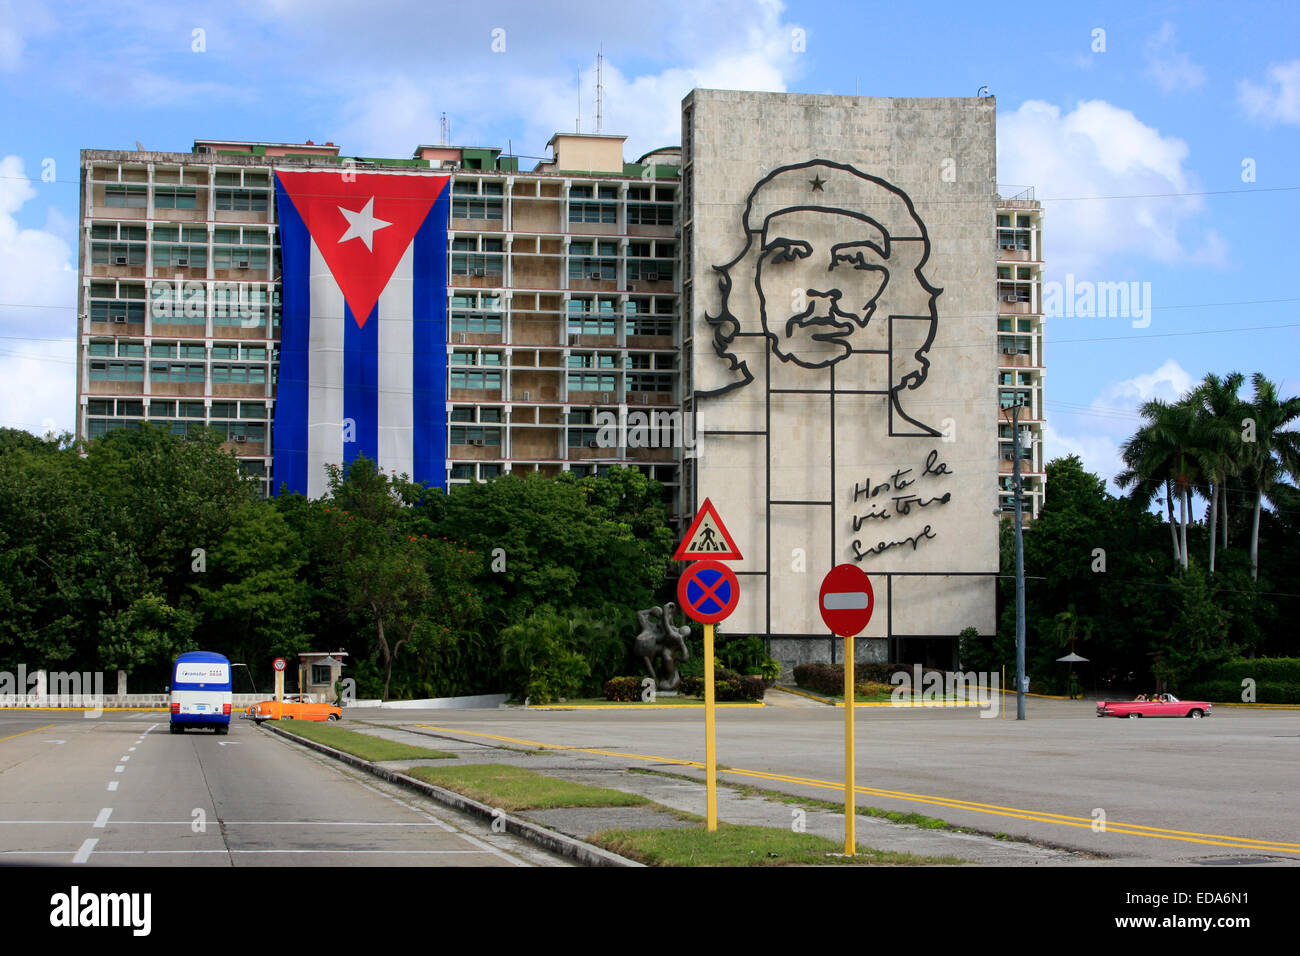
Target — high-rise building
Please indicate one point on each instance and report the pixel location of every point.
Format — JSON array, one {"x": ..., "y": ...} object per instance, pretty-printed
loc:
[
  {"x": 1020, "y": 345},
  {"x": 564, "y": 312}
]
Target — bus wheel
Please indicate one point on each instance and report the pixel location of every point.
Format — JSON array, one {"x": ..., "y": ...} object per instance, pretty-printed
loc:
[{"x": 175, "y": 728}]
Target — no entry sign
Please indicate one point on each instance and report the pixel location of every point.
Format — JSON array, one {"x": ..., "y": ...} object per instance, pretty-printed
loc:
[
  {"x": 846, "y": 600},
  {"x": 708, "y": 591}
]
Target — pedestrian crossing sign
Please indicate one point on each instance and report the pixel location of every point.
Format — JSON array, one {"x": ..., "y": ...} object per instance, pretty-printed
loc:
[{"x": 707, "y": 538}]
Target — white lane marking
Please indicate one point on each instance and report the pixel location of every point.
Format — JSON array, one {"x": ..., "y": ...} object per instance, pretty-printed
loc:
[
  {"x": 101, "y": 821},
  {"x": 130, "y": 749},
  {"x": 342, "y": 852},
  {"x": 112, "y": 785},
  {"x": 222, "y": 743},
  {"x": 103, "y": 814},
  {"x": 83, "y": 854},
  {"x": 56, "y": 741},
  {"x": 124, "y": 758},
  {"x": 487, "y": 848},
  {"x": 118, "y": 769}
]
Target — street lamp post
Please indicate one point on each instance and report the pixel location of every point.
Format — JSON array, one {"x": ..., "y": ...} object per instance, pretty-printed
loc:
[{"x": 1020, "y": 564}]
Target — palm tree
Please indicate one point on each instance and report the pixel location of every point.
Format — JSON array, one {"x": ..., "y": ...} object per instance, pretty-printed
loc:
[
  {"x": 1166, "y": 450},
  {"x": 1147, "y": 474},
  {"x": 1273, "y": 453},
  {"x": 1218, "y": 413}
]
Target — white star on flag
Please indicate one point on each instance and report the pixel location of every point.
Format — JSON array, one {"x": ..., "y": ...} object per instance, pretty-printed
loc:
[{"x": 362, "y": 224}]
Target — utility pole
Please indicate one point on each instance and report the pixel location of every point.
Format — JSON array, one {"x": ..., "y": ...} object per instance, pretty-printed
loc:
[{"x": 1020, "y": 564}]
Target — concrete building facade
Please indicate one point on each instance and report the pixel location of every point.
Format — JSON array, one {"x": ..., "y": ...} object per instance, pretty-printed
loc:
[
  {"x": 840, "y": 286},
  {"x": 831, "y": 290}
]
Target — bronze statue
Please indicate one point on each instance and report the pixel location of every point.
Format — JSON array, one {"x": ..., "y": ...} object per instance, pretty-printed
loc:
[{"x": 659, "y": 636}]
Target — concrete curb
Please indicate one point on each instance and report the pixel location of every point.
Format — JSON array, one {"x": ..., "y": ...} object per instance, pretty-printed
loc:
[{"x": 557, "y": 843}]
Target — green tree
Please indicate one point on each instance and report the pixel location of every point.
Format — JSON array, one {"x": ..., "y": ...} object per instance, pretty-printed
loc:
[
  {"x": 251, "y": 601},
  {"x": 410, "y": 587},
  {"x": 1271, "y": 451},
  {"x": 1217, "y": 407}
]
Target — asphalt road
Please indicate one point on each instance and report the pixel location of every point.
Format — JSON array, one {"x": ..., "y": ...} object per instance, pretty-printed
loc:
[
  {"x": 1169, "y": 791},
  {"x": 120, "y": 790}
]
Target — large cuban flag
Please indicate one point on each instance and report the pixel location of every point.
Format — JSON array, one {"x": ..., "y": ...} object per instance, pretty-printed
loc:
[{"x": 363, "y": 336}]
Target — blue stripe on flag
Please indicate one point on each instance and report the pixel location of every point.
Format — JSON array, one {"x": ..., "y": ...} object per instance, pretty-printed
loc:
[
  {"x": 361, "y": 386},
  {"x": 289, "y": 463},
  {"x": 429, "y": 344}
]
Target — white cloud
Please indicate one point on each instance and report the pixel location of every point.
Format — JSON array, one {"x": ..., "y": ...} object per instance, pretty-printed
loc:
[
  {"x": 1277, "y": 100},
  {"x": 38, "y": 279},
  {"x": 1095, "y": 433},
  {"x": 37, "y": 313},
  {"x": 739, "y": 44},
  {"x": 1171, "y": 69},
  {"x": 38, "y": 385},
  {"x": 1098, "y": 149}
]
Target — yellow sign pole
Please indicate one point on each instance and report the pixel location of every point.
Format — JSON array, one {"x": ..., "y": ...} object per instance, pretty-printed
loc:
[
  {"x": 850, "y": 800},
  {"x": 710, "y": 744}
]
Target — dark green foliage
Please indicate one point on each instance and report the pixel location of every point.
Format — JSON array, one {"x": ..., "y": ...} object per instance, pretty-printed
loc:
[
  {"x": 623, "y": 688},
  {"x": 727, "y": 686}
]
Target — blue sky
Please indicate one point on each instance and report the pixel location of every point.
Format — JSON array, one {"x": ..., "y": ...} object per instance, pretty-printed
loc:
[{"x": 1172, "y": 98}]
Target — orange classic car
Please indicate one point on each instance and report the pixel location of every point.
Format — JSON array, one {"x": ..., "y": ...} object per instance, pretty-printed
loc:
[{"x": 293, "y": 707}]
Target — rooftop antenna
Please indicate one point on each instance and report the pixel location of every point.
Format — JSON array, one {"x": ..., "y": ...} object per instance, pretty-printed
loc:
[
  {"x": 600, "y": 90},
  {"x": 139, "y": 146},
  {"x": 444, "y": 129},
  {"x": 578, "y": 127}
]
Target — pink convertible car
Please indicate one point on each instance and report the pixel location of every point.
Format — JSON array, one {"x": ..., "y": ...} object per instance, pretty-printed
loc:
[{"x": 1159, "y": 705}]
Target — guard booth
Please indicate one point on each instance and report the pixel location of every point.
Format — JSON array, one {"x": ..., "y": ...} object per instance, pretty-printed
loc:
[{"x": 318, "y": 673}]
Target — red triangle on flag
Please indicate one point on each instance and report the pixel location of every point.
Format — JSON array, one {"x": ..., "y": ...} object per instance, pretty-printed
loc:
[
  {"x": 707, "y": 537},
  {"x": 362, "y": 223}
]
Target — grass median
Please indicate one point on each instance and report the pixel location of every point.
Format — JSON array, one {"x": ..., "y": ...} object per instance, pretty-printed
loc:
[
  {"x": 514, "y": 788},
  {"x": 365, "y": 746},
  {"x": 735, "y": 845}
]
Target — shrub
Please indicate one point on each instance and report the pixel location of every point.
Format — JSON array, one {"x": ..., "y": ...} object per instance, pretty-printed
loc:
[
  {"x": 727, "y": 685},
  {"x": 623, "y": 688},
  {"x": 1229, "y": 692},
  {"x": 829, "y": 678},
  {"x": 538, "y": 661}
]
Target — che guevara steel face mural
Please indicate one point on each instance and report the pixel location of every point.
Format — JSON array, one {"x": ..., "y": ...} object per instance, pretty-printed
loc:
[
  {"x": 815, "y": 382},
  {"x": 833, "y": 267}
]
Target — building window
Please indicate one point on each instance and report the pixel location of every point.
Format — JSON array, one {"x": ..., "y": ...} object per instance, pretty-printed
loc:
[
  {"x": 117, "y": 253},
  {"x": 475, "y": 378},
  {"x": 239, "y": 257},
  {"x": 649, "y": 382},
  {"x": 241, "y": 200},
  {"x": 174, "y": 197},
  {"x": 130, "y": 197},
  {"x": 468, "y": 257},
  {"x": 169, "y": 372},
  {"x": 462, "y": 472},
  {"x": 475, "y": 435},
  {"x": 239, "y": 374},
  {"x": 591, "y": 382},
  {"x": 117, "y": 371}
]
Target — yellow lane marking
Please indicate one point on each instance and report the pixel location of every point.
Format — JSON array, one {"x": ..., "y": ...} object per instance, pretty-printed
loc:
[
  {"x": 1035, "y": 816},
  {"x": 32, "y": 731},
  {"x": 621, "y": 705}
]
